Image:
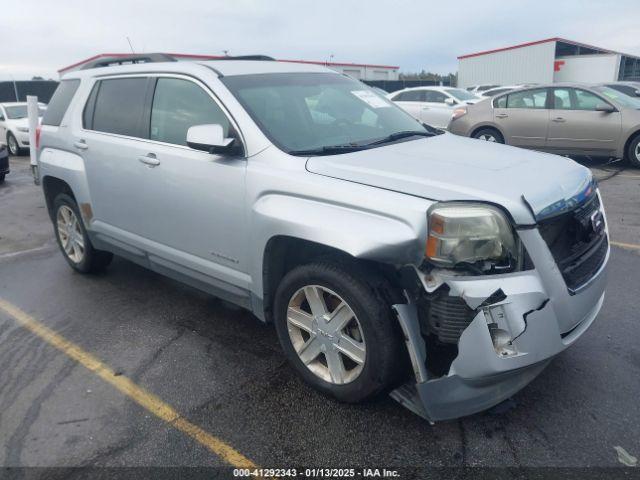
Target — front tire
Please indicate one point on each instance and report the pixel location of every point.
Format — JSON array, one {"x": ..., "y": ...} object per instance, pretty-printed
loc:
[
  {"x": 489, "y": 135},
  {"x": 633, "y": 152},
  {"x": 2, "y": 177},
  {"x": 73, "y": 239},
  {"x": 337, "y": 332},
  {"x": 12, "y": 145}
]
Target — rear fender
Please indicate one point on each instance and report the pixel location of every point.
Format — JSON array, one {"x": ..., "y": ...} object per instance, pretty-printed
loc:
[{"x": 69, "y": 168}]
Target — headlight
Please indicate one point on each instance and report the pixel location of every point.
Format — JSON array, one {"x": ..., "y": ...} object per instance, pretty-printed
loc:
[
  {"x": 468, "y": 233},
  {"x": 23, "y": 129}
]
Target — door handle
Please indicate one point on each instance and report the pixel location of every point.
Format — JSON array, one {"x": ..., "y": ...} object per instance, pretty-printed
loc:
[
  {"x": 149, "y": 160},
  {"x": 81, "y": 144},
  {"x": 559, "y": 120},
  {"x": 502, "y": 115}
]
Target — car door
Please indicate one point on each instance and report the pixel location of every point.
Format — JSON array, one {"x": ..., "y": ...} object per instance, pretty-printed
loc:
[
  {"x": 410, "y": 101},
  {"x": 434, "y": 111},
  {"x": 523, "y": 117},
  {"x": 182, "y": 208},
  {"x": 577, "y": 126}
]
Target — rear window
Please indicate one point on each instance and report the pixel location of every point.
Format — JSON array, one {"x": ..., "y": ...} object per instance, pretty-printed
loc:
[
  {"x": 119, "y": 107},
  {"x": 60, "y": 102}
]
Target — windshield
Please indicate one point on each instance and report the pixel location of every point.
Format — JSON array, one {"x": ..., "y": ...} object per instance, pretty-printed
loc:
[
  {"x": 461, "y": 94},
  {"x": 619, "y": 98},
  {"x": 16, "y": 112},
  {"x": 309, "y": 111}
]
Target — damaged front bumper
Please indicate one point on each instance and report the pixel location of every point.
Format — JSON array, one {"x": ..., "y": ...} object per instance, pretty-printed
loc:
[{"x": 533, "y": 309}]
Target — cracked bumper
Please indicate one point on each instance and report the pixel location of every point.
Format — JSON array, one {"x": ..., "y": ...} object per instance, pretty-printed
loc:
[{"x": 542, "y": 316}]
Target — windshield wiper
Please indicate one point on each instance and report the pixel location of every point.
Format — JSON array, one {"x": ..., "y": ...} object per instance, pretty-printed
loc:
[
  {"x": 351, "y": 147},
  {"x": 330, "y": 149},
  {"x": 400, "y": 135}
]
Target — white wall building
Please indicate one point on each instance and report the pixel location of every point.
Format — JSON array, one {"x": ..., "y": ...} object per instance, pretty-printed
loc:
[
  {"x": 546, "y": 61},
  {"x": 361, "y": 71}
]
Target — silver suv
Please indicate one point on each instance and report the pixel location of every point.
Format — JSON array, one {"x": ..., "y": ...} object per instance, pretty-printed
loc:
[{"x": 389, "y": 256}]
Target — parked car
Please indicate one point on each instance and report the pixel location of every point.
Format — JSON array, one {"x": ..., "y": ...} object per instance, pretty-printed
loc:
[
  {"x": 568, "y": 119},
  {"x": 367, "y": 238},
  {"x": 432, "y": 105},
  {"x": 4, "y": 163},
  {"x": 14, "y": 126},
  {"x": 478, "y": 89},
  {"x": 628, "y": 88}
]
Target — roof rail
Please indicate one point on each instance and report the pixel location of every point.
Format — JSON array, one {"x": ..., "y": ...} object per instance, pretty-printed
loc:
[
  {"x": 264, "y": 58},
  {"x": 128, "y": 59}
]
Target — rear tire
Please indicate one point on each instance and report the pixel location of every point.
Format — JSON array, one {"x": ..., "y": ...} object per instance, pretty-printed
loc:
[
  {"x": 369, "y": 358},
  {"x": 2, "y": 178},
  {"x": 13, "y": 146},
  {"x": 489, "y": 135},
  {"x": 73, "y": 239},
  {"x": 633, "y": 152}
]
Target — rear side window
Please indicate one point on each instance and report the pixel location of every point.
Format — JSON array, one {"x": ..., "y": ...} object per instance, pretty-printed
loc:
[
  {"x": 119, "y": 107},
  {"x": 60, "y": 102},
  {"x": 410, "y": 96},
  {"x": 179, "y": 104},
  {"x": 535, "y": 99}
]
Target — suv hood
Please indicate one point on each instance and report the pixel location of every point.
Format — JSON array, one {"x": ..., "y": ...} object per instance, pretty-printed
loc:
[{"x": 530, "y": 185}]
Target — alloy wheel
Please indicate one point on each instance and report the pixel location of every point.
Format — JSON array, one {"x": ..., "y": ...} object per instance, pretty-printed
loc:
[
  {"x": 70, "y": 234},
  {"x": 13, "y": 145},
  {"x": 326, "y": 334},
  {"x": 487, "y": 137},
  {"x": 637, "y": 152}
]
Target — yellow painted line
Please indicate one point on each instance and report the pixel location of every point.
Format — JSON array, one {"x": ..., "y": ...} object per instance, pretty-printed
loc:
[
  {"x": 136, "y": 393},
  {"x": 630, "y": 246}
]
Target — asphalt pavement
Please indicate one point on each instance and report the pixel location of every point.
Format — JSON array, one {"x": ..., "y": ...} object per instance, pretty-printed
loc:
[{"x": 223, "y": 371}]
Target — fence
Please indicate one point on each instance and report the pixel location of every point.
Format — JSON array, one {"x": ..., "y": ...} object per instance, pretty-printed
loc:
[{"x": 11, "y": 91}]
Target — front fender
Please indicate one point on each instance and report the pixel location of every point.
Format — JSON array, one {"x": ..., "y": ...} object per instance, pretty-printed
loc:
[{"x": 359, "y": 232}]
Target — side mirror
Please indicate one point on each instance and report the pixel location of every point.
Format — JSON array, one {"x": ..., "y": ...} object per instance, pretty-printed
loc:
[
  {"x": 209, "y": 138},
  {"x": 605, "y": 108},
  {"x": 1, "y": 118},
  {"x": 450, "y": 101}
]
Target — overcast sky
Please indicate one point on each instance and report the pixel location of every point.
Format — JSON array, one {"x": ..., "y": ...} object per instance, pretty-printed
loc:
[{"x": 40, "y": 37}]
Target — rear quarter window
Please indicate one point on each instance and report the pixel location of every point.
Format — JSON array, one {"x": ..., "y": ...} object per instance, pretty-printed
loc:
[{"x": 60, "y": 102}]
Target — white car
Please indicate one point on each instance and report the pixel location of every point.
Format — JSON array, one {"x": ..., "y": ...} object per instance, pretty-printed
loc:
[
  {"x": 432, "y": 105},
  {"x": 14, "y": 126}
]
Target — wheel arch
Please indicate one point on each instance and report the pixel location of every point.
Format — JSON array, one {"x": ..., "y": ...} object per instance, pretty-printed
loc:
[
  {"x": 632, "y": 136},
  {"x": 477, "y": 128},
  {"x": 52, "y": 187},
  {"x": 283, "y": 253}
]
